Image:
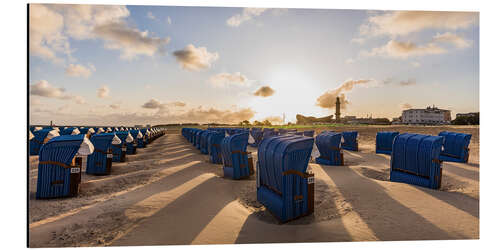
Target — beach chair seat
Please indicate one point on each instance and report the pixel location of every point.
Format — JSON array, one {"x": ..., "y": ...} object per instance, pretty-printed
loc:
[
  {"x": 235, "y": 158},
  {"x": 284, "y": 186},
  {"x": 257, "y": 134},
  {"x": 383, "y": 142},
  {"x": 328, "y": 144},
  {"x": 60, "y": 164},
  {"x": 415, "y": 160},
  {"x": 120, "y": 150},
  {"x": 137, "y": 135},
  {"x": 309, "y": 133},
  {"x": 100, "y": 161},
  {"x": 131, "y": 144},
  {"x": 350, "y": 140},
  {"x": 456, "y": 147}
]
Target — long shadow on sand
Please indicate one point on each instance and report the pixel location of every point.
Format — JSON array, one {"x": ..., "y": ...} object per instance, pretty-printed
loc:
[
  {"x": 368, "y": 198},
  {"x": 119, "y": 203},
  {"x": 461, "y": 171},
  {"x": 193, "y": 218}
]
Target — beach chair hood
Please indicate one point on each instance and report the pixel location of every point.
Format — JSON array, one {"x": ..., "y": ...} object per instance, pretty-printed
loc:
[
  {"x": 52, "y": 134},
  {"x": 86, "y": 147},
  {"x": 116, "y": 140},
  {"x": 129, "y": 138}
]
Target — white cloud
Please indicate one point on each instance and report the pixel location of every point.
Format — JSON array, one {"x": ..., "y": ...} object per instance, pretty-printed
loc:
[
  {"x": 224, "y": 79},
  {"x": 452, "y": 38},
  {"x": 46, "y": 38},
  {"x": 45, "y": 89},
  {"x": 78, "y": 70},
  {"x": 103, "y": 91},
  {"x": 396, "y": 23},
  {"x": 403, "y": 50},
  {"x": 264, "y": 91},
  {"x": 408, "y": 82},
  {"x": 52, "y": 24},
  {"x": 178, "y": 104},
  {"x": 114, "y": 106},
  {"x": 195, "y": 59},
  {"x": 79, "y": 99},
  {"x": 150, "y": 15},
  {"x": 349, "y": 61},
  {"x": 152, "y": 104},
  {"x": 130, "y": 42},
  {"x": 406, "y": 106},
  {"x": 329, "y": 98},
  {"x": 358, "y": 40},
  {"x": 246, "y": 15}
]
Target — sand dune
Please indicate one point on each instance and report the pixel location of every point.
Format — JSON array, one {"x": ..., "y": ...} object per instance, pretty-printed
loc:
[{"x": 168, "y": 193}]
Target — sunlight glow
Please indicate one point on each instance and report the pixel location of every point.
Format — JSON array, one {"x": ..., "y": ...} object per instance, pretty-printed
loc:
[{"x": 294, "y": 94}]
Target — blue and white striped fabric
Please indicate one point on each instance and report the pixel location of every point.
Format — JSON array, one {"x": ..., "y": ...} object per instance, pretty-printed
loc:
[
  {"x": 350, "y": 140},
  {"x": 97, "y": 161},
  {"x": 234, "y": 156},
  {"x": 383, "y": 142},
  {"x": 282, "y": 179},
  {"x": 55, "y": 167},
  {"x": 415, "y": 160},
  {"x": 328, "y": 144},
  {"x": 456, "y": 147}
]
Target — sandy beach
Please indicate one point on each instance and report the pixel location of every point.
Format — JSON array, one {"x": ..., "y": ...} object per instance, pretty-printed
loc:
[{"x": 168, "y": 193}]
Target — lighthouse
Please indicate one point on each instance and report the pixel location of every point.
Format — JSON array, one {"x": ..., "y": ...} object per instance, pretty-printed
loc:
[{"x": 337, "y": 110}]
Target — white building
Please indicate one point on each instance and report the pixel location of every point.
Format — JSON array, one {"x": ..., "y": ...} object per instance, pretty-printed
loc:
[{"x": 428, "y": 116}]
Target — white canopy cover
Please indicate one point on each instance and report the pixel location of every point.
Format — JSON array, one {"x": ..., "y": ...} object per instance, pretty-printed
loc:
[
  {"x": 86, "y": 147},
  {"x": 129, "y": 138},
  {"x": 116, "y": 140},
  {"x": 52, "y": 134},
  {"x": 251, "y": 140}
]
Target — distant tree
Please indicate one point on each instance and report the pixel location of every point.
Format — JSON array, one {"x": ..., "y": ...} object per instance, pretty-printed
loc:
[
  {"x": 267, "y": 123},
  {"x": 245, "y": 123},
  {"x": 469, "y": 120},
  {"x": 257, "y": 123}
]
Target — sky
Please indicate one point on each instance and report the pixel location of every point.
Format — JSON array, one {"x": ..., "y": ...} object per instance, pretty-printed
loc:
[{"x": 128, "y": 65}]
